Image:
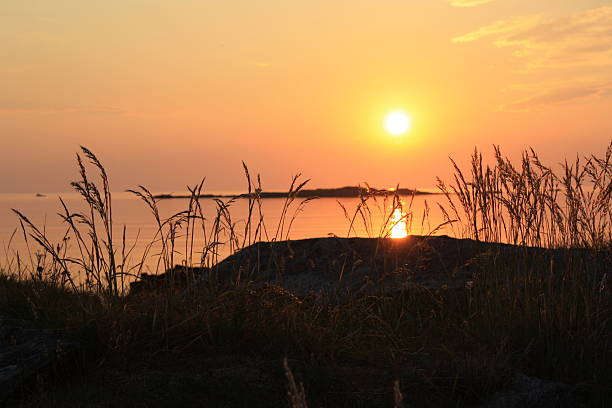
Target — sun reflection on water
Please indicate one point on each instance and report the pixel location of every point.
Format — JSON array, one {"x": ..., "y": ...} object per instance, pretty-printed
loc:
[{"x": 398, "y": 223}]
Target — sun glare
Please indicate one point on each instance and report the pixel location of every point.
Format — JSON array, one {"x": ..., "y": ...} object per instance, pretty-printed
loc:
[
  {"x": 398, "y": 222},
  {"x": 397, "y": 123}
]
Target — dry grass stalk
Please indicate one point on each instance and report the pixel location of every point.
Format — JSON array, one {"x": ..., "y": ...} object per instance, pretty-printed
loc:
[
  {"x": 532, "y": 205},
  {"x": 296, "y": 394}
]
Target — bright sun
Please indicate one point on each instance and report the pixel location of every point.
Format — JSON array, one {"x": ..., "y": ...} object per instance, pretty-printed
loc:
[{"x": 397, "y": 123}]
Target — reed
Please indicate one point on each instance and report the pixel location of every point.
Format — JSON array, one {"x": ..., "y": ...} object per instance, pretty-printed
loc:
[
  {"x": 96, "y": 263},
  {"x": 532, "y": 205},
  {"x": 91, "y": 230},
  {"x": 417, "y": 347}
]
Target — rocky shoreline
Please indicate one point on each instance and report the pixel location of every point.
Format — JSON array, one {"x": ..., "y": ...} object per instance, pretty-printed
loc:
[{"x": 340, "y": 267}]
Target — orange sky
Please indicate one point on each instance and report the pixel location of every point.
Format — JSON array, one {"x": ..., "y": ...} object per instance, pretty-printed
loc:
[{"x": 168, "y": 92}]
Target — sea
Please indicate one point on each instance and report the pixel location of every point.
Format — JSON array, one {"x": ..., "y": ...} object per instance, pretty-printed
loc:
[{"x": 136, "y": 232}]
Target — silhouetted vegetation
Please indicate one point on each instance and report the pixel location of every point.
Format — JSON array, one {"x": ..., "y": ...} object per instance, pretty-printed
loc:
[{"x": 194, "y": 342}]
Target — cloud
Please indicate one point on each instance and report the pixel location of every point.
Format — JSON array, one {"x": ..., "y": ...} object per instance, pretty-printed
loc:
[
  {"x": 500, "y": 29},
  {"x": 558, "y": 96},
  {"x": 581, "y": 38},
  {"x": 575, "y": 49},
  {"x": 24, "y": 107},
  {"x": 468, "y": 3},
  {"x": 98, "y": 110}
]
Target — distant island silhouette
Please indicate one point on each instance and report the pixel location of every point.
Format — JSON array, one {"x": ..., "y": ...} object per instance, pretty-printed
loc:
[{"x": 340, "y": 192}]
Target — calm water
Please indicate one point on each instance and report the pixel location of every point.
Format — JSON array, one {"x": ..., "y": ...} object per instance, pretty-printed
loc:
[{"x": 319, "y": 218}]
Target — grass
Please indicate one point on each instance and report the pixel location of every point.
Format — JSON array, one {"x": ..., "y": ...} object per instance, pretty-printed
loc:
[{"x": 263, "y": 347}]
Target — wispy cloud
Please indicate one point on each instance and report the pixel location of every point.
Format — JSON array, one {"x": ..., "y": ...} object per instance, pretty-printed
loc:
[
  {"x": 468, "y": 3},
  {"x": 581, "y": 38},
  {"x": 500, "y": 29},
  {"x": 559, "y": 96},
  {"x": 577, "y": 46},
  {"x": 23, "y": 107}
]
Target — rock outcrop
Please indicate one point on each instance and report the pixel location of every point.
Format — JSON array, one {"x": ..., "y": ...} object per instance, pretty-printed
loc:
[
  {"x": 359, "y": 266},
  {"x": 27, "y": 353}
]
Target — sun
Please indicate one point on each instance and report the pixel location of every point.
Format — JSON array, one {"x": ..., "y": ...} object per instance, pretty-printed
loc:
[{"x": 397, "y": 123}]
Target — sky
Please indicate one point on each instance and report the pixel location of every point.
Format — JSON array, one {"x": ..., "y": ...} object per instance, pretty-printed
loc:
[{"x": 166, "y": 93}]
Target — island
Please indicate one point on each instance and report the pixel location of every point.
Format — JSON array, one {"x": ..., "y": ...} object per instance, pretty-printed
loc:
[{"x": 340, "y": 192}]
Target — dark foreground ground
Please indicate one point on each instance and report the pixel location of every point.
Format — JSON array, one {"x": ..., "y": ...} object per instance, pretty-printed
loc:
[{"x": 452, "y": 322}]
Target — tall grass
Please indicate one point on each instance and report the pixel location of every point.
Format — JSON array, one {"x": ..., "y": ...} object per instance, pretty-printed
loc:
[
  {"x": 530, "y": 204},
  {"x": 379, "y": 215},
  {"x": 533, "y": 312},
  {"x": 97, "y": 263},
  {"x": 91, "y": 230}
]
